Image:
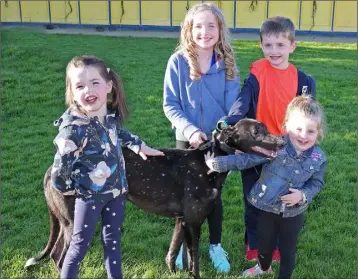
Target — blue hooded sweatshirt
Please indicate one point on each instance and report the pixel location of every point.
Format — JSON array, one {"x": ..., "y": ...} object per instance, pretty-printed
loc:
[{"x": 192, "y": 105}]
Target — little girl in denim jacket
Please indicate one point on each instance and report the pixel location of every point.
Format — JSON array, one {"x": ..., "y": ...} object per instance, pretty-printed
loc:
[
  {"x": 89, "y": 161},
  {"x": 287, "y": 184}
]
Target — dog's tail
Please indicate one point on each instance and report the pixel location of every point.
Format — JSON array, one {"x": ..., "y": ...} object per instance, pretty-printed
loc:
[{"x": 54, "y": 232}]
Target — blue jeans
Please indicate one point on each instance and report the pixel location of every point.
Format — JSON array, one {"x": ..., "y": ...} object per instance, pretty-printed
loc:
[{"x": 85, "y": 220}]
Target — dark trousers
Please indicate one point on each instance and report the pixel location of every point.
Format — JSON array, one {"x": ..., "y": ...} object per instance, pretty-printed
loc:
[
  {"x": 215, "y": 218},
  {"x": 249, "y": 178},
  {"x": 85, "y": 220},
  {"x": 269, "y": 225}
]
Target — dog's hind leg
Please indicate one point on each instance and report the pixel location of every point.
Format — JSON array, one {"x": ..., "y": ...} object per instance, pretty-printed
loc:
[
  {"x": 67, "y": 236},
  {"x": 192, "y": 238},
  {"x": 53, "y": 236},
  {"x": 177, "y": 240},
  {"x": 58, "y": 252},
  {"x": 61, "y": 246}
]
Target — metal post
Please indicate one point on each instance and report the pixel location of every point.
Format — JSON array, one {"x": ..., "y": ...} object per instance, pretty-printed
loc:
[
  {"x": 109, "y": 13},
  {"x": 49, "y": 11},
  {"x": 20, "y": 11},
  {"x": 299, "y": 16},
  {"x": 267, "y": 8},
  {"x": 333, "y": 11},
  {"x": 171, "y": 12},
  {"x": 234, "y": 14},
  {"x": 79, "y": 11},
  {"x": 140, "y": 12}
]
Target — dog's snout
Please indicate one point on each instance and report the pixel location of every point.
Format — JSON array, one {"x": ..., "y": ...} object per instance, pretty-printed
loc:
[{"x": 281, "y": 141}]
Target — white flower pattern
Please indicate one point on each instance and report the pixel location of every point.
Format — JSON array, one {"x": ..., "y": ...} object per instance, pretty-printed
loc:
[
  {"x": 107, "y": 148},
  {"x": 100, "y": 174},
  {"x": 65, "y": 146},
  {"x": 113, "y": 136}
]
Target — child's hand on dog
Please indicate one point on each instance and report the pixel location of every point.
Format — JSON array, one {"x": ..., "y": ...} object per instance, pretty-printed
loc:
[
  {"x": 209, "y": 161},
  {"x": 146, "y": 150},
  {"x": 197, "y": 138}
]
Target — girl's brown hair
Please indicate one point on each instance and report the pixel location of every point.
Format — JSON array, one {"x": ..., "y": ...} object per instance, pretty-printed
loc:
[
  {"x": 310, "y": 108},
  {"x": 116, "y": 99},
  {"x": 222, "y": 48}
]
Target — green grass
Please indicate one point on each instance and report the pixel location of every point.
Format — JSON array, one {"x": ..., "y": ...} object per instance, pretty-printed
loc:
[{"x": 33, "y": 83}]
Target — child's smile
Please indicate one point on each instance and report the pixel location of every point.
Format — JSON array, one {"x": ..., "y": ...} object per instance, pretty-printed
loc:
[
  {"x": 302, "y": 130},
  {"x": 205, "y": 30},
  {"x": 90, "y": 90},
  {"x": 276, "y": 49},
  {"x": 91, "y": 99}
]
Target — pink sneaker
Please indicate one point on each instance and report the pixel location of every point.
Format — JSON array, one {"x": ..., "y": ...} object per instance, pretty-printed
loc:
[
  {"x": 255, "y": 271},
  {"x": 251, "y": 254},
  {"x": 276, "y": 255}
]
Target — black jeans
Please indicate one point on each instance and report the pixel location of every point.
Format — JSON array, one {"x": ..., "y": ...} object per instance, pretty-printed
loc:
[
  {"x": 249, "y": 177},
  {"x": 215, "y": 218},
  {"x": 269, "y": 224}
]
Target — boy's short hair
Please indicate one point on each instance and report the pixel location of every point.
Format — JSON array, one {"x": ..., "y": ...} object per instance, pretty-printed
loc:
[{"x": 278, "y": 25}]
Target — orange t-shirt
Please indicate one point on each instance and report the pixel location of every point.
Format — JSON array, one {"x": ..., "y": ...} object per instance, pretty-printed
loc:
[{"x": 277, "y": 89}]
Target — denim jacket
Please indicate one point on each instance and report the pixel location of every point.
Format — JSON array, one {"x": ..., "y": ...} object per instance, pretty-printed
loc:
[
  {"x": 89, "y": 160},
  {"x": 287, "y": 170}
]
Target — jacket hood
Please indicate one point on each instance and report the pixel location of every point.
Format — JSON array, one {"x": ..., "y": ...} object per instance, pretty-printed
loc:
[
  {"x": 217, "y": 67},
  {"x": 68, "y": 117},
  {"x": 75, "y": 117}
]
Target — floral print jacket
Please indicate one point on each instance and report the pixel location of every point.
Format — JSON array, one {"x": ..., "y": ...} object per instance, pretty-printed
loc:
[{"x": 89, "y": 160}]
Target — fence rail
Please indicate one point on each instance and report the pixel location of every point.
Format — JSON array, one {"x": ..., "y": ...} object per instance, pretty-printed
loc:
[{"x": 335, "y": 16}]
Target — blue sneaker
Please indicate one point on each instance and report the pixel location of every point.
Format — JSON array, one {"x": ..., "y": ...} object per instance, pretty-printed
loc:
[
  {"x": 219, "y": 258},
  {"x": 179, "y": 259}
]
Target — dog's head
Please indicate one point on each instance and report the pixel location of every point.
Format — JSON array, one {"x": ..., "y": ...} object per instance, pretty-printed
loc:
[{"x": 249, "y": 136}]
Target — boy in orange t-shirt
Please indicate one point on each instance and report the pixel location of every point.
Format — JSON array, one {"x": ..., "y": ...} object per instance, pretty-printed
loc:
[{"x": 272, "y": 83}]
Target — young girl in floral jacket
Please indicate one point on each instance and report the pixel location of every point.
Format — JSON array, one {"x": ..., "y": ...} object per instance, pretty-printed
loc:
[{"x": 89, "y": 161}]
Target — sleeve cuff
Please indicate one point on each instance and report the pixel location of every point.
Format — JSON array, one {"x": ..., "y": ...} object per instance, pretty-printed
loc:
[
  {"x": 221, "y": 124},
  {"x": 189, "y": 131}
]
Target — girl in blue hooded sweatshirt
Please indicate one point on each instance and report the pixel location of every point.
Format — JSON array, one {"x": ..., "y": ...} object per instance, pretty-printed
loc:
[
  {"x": 201, "y": 84},
  {"x": 89, "y": 162}
]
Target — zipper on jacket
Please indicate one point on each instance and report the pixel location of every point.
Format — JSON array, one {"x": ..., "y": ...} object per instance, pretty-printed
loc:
[
  {"x": 201, "y": 104},
  {"x": 112, "y": 145}
]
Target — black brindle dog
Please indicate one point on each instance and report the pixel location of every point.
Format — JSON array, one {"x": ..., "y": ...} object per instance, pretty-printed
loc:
[{"x": 176, "y": 185}]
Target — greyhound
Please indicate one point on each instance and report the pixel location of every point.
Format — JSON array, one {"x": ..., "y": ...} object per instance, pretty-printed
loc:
[{"x": 176, "y": 185}]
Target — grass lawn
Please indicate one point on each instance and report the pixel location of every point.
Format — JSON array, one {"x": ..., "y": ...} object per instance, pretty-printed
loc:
[{"x": 33, "y": 84}]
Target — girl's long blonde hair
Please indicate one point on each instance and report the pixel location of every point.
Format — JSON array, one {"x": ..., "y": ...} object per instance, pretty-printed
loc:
[{"x": 222, "y": 48}]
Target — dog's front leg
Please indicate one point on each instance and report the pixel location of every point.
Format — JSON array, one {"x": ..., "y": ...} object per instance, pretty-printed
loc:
[{"x": 177, "y": 240}]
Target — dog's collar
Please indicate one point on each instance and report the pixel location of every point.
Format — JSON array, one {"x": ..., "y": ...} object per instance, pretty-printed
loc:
[
  {"x": 222, "y": 146},
  {"x": 205, "y": 145},
  {"x": 226, "y": 148}
]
